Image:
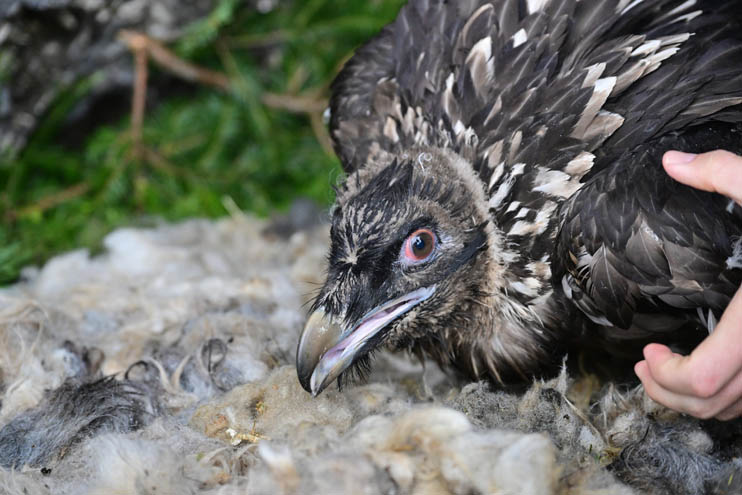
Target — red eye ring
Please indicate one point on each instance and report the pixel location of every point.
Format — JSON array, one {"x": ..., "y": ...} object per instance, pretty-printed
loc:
[{"x": 419, "y": 246}]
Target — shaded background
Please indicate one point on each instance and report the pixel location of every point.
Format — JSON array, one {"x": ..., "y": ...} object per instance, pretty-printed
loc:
[{"x": 235, "y": 92}]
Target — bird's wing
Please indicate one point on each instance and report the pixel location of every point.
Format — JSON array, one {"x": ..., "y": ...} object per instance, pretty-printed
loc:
[
  {"x": 506, "y": 82},
  {"x": 643, "y": 253},
  {"x": 533, "y": 92},
  {"x": 635, "y": 249},
  {"x": 539, "y": 96},
  {"x": 454, "y": 74}
]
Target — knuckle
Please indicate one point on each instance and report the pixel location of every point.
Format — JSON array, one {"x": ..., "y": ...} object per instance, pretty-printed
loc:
[
  {"x": 723, "y": 156},
  {"x": 717, "y": 158},
  {"x": 721, "y": 163},
  {"x": 702, "y": 410},
  {"x": 705, "y": 381},
  {"x": 706, "y": 413},
  {"x": 725, "y": 416},
  {"x": 705, "y": 386}
]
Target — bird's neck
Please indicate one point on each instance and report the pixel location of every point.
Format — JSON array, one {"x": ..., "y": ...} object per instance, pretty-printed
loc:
[{"x": 508, "y": 336}]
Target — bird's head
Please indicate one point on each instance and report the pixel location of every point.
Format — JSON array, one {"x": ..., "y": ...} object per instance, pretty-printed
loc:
[{"x": 405, "y": 263}]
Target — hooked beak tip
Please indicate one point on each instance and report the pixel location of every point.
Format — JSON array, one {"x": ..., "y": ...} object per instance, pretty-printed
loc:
[
  {"x": 320, "y": 334},
  {"x": 326, "y": 349}
]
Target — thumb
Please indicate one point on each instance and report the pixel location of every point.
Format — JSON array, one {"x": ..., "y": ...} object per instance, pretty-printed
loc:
[{"x": 716, "y": 171}]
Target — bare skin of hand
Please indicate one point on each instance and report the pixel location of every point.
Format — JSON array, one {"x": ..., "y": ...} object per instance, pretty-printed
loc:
[{"x": 708, "y": 382}]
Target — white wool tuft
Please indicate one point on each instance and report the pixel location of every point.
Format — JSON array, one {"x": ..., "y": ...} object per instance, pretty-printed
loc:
[{"x": 209, "y": 314}]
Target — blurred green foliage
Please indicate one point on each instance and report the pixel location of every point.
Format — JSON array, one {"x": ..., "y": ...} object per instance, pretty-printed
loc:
[{"x": 203, "y": 146}]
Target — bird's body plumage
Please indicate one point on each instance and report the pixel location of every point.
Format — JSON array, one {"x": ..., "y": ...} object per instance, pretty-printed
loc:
[{"x": 527, "y": 134}]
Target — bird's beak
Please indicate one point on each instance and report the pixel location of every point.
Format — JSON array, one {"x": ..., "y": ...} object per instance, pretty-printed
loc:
[
  {"x": 320, "y": 334},
  {"x": 327, "y": 348}
]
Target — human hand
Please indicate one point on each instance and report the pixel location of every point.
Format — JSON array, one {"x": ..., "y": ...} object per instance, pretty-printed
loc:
[{"x": 708, "y": 382}]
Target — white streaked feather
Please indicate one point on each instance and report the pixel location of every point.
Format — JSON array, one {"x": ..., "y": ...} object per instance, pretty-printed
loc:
[
  {"x": 669, "y": 44},
  {"x": 515, "y": 144},
  {"x": 709, "y": 107},
  {"x": 408, "y": 122},
  {"x": 672, "y": 12},
  {"x": 539, "y": 224},
  {"x": 420, "y": 59},
  {"x": 447, "y": 99},
  {"x": 504, "y": 189},
  {"x": 390, "y": 129},
  {"x": 675, "y": 39},
  {"x": 473, "y": 18},
  {"x": 735, "y": 260},
  {"x": 540, "y": 269},
  {"x": 580, "y": 165},
  {"x": 625, "y": 5},
  {"x": 508, "y": 257},
  {"x": 519, "y": 37},
  {"x": 601, "y": 91},
  {"x": 496, "y": 175},
  {"x": 494, "y": 154},
  {"x": 566, "y": 287},
  {"x": 701, "y": 318},
  {"x": 646, "y": 48},
  {"x": 467, "y": 136},
  {"x": 593, "y": 74},
  {"x": 522, "y": 212},
  {"x": 526, "y": 286},
  {"x": 662, "y": 55},
  {"x": 535, "y": 5},
  {"x": 517, "y": 169},
  {"x": 494, "y": 110},
  {"x": 481, "y": 65},
  {"x": 629, "y": 76},
  {"x": 688, "y": 17},
  {"x": 711, "y": 322},
  {"x": 603, "y": 125},
  {"x": 502, "y": 192},
  {"x": 556, "y": 183}
]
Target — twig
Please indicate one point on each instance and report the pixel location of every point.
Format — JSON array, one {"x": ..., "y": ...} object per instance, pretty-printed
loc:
[
  {"x": 171, "y": 62},
  {"x": 161, "y": 163},
  {"x": 309, "y": 102},
  {"x": 50, "y": 201},
  {"x": 320, "y": 132},
  {"x": 139, "y": 100},
  {"x": 295, "y": 103},
  {"x": 262, "y": 39}
]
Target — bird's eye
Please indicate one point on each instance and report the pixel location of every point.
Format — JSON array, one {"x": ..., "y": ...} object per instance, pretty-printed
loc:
[{"x": 419, "y": 245}]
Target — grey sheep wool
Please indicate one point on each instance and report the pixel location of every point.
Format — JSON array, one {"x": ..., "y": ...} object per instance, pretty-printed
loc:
[
  {"x": 195, "y": 327},
  {"x": 71, "y": 413}
]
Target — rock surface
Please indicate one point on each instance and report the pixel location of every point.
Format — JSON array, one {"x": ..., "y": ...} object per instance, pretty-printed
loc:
[
  {"x": 198, "y": 323},
  {"x": 47, "y": 45}
]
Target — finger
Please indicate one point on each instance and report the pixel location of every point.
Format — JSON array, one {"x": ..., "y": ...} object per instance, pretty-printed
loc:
[
  {"x": 675, "y": 401},
  {"x": 732, "y": 412},
  {"x": 642, "y": 371},
  {"x": 720, "y": 405},
  {"x": 716, "y": 171},
  {"x": 710, "y": 366},
  {"x": 701, "y": 408},
  {"x": 670, "y": 370}
]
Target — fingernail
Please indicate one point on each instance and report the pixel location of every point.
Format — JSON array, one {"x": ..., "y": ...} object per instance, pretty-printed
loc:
[{"x": 679, "y": 158}]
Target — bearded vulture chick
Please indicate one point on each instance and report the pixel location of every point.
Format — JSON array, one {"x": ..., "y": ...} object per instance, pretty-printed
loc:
[{"x": 505, "y": 194}]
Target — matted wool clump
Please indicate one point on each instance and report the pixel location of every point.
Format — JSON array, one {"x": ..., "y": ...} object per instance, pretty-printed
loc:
[{"x": 165, "y": 365}]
